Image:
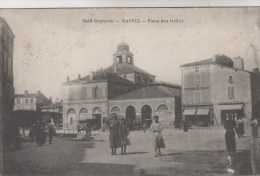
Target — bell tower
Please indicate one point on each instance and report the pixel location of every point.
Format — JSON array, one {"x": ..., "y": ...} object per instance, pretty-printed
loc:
[{"x": 123, "y": 55}]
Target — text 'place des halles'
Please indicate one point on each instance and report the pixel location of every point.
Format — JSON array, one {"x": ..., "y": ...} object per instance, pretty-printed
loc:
[{"x": 121, "y": 118}]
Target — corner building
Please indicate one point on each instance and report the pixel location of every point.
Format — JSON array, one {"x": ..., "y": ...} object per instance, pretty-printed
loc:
[{"x": 214, "y": 89}]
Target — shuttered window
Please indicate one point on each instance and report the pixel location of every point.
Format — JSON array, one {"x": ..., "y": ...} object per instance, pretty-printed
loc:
[{"x": 231, "y": 92}]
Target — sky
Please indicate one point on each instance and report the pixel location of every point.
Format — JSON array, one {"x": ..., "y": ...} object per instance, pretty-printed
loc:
[{"x": 51, "y": 44}]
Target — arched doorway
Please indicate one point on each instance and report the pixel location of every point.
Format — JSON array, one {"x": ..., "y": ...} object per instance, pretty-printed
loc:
[
  {"x": 146, "y": 113},
  {"x": 83, "y": 114},
  {"x": 96, "y": 115},
  {"x": 130, "y": 114},
  {"x": 71, "y": 118}
]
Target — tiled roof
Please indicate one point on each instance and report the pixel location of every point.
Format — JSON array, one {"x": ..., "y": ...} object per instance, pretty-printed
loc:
[
  {"x": 202, "y": 62},
  {"x": 124, "y": 68},
  {"x": 167, "y": 84},
  {"x": 147, "y": 93},
  {"x": 100, "y": 76}
]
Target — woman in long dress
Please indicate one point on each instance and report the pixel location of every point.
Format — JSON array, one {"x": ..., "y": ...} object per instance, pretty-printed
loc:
[
  {"x": 230, "y": 126},
  {"x": 158, "y": 141},
  {"x": 123, "y": 132},
  {"x": 114, "y": 137}
]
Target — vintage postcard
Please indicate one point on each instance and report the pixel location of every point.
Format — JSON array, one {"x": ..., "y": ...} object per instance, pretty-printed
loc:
[{"x": 130, "y": 91}]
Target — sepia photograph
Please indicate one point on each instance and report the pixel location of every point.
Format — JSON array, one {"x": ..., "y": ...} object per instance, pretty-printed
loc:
[{"x": 130, "y": 91}]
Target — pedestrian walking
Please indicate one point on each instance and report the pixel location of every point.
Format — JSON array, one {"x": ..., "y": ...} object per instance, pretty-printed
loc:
[
  {"x": 123, "y": 133},
  {"x": 255, "y": 128},
  {"x": 45, "y": 134},
  {"x": 230, "y": 137},
  {"x": 158, "y": 140},
  {"x": 51, "y": 131},
  {"x": 185, "y": 125},
  {"x": 39, "y": 133},
  {"x": 114, "y": 137}
]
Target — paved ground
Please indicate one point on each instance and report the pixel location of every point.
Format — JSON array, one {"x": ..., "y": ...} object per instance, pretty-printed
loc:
[{"x": 198, "y": 152}]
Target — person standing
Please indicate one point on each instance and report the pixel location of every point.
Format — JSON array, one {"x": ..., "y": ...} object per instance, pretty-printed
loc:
[
  {"x": 144, "y": 127},
  {"x": 254, "y": 128},
  {"x": 185, "y": 125},
  {"x": 230, "y": 126},
  {"x": 240, "y": 128},
  {"x": 123, "y": 132},
  {"x": 39, "y": 133},
  {"x": 51, "y": 131},
  {"x": 158, "y": 141},
  {"x": 114, "y": 138}
]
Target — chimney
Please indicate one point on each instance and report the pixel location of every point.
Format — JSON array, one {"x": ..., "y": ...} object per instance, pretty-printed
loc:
[
  {"x": 68, "y": 78},
  {"x": 256, "y": 70},
  {"x": 238, "y": 63},
  {"x": 79, "y": 76},
  {"x": 26, "y": 92},
  {"x": 50, "y": 99},
  {"x": 91, "y": 75},
  {"x": 38, "y": 92}
]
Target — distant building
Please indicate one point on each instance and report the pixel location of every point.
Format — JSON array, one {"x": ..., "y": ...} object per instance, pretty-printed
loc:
[
  {"x": 122, "y": 88},
  {"x": 215, "y": 88},
  {"x": 28, "y": 106},
  {"x": 6, "y": 85}
]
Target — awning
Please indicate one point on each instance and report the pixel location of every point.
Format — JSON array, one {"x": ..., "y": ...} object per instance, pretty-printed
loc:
[
  {"x": 203, "y": 111},
  {"x": 231, "y": 107},
  {"x": 189, "y": 111}
]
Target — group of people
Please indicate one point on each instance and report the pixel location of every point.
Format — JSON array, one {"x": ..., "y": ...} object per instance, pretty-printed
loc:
[
  {"x": 119, "y": 132},
  {"x": 41, "y": 130}
]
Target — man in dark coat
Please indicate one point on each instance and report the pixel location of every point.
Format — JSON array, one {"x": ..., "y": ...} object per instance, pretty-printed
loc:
[
  {"x": 114, "y": 137},
  {"x": 39, "y": 133},
  {"x": 51, "y": 131}
]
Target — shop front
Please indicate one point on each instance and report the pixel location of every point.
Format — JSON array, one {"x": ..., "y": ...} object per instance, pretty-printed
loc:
[
  {"x": 235, "y": 111},
  {"x": 199, "y": 115}
]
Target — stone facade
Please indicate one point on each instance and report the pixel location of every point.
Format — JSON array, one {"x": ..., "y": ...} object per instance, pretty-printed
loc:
[
  {"x": 213, "y": 88},
  {"x": 92, "y": 99}
]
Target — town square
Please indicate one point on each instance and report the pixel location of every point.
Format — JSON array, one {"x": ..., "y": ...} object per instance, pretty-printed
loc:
[{"x": 169, "y": 92}]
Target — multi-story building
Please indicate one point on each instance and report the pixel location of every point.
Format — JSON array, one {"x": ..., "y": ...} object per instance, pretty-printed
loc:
[
  {"x": 6, "y": 84},
  {"x": 215, "y": 88},
  {"x": 28, "y": 106},
  {"x": 121, "y": 88}
]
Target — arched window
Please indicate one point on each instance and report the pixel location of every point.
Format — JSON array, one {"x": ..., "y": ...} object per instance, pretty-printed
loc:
[
  {"x": 83, "y": 110},
  {"x": 71, "y": 121},
  {"x": 115, "y": 109},
  {"x": 70, "y": 111},
  {"x": 97, "y": 110},
  {"x": 162, "y": 107}
]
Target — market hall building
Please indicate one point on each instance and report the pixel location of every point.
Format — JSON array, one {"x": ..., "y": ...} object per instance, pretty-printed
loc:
[
  {"x": 122, "y": 88},
  {"x": 215, "y": 88}
]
